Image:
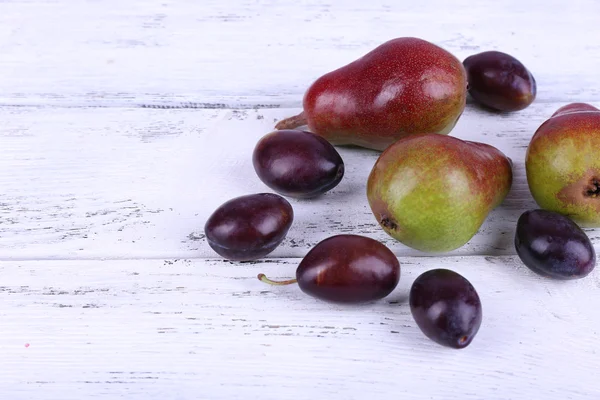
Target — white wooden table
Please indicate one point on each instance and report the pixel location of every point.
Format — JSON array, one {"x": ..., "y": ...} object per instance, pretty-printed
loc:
[{"x": 124, "y": 124}]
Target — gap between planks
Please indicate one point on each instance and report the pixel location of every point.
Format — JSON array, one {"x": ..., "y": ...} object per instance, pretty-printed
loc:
[
  {"x": 215, "y": 258},
  {"x": 260, "y": 103}
]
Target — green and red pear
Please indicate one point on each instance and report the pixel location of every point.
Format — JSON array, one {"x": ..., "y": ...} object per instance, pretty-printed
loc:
[
  {"x": 433, "y": 192},
  {"x": 563, "y": 164}
]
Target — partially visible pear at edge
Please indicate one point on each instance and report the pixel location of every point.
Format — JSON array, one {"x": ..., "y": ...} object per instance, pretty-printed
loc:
[
  {"x": 563, "y": 164},
  {"x": 433, "y": 192}
]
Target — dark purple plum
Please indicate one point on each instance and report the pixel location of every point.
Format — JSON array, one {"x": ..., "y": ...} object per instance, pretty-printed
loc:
[
  {"x": 249, "y": 227},
  {"x": 297, "y": 163},
  {"x": 553, "y": 245},
  {"x": 446, "y": 307},
  {"x": 499, "y": 81},
  {"x": 347, "y": 269}
]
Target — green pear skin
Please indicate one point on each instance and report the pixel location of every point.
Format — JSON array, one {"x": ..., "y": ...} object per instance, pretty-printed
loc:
[
  {"x": 433, "y": 192},
  {"x": 563, "y": 164}
]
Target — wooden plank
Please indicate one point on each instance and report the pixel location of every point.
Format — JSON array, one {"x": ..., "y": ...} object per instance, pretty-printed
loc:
[
  {"x": 180, "y": 329},
  {"x": 246, "y": 53},
  {"x": 124, "y": 183},
  {"x": 71, "y": 176}
]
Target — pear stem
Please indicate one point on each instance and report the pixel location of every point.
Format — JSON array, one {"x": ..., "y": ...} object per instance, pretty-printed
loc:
[
  {"x": 292, "y": 122},
  {"x": 263, "y": 278}
]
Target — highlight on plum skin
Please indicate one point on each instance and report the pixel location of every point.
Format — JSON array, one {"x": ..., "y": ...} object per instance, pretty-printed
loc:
[
  {"x": 298, "y": 164},
  {"x": 346, "y": 269},
  {"x": 500, "y": 81},
  {"x": 249, "y": 227},
  {"x": 446, "y": 307},
  {"x": 554, "y": 246}
]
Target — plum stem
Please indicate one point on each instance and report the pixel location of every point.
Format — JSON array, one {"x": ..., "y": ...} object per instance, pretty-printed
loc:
[
  {"x": 263, "y": 278},
  {"x": 292, "y": 122}
]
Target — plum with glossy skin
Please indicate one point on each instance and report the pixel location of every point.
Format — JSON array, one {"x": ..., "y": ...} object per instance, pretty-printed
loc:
[
  {"x": 446, "y": 307},
  {"x": 347, "y": 269},
  {"x": 402, "y": 87},
  {"x": 500, "y": 81},
  {"x": 554, "y": 246},
  {"x": 249, "y": 227},
  {"x": 297, "y": 163}
]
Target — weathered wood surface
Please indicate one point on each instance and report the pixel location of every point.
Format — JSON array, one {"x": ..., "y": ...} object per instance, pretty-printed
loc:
[
  {"x": 187, "y": 329},
  {"x": 122, "y": 183},
  {"x": 123, "y": 125},
  {"x": 266, "y": 52}
]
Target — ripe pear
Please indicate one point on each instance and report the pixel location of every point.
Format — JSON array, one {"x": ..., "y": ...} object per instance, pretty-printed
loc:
[
  {"x": 563, "y": 164},
  {"x": 404, "y": 86},
  {"x": 433, "y": 192}
]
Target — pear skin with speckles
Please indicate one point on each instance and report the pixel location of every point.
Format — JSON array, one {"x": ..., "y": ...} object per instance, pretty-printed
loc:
[
  {"x": 433, "y": 192},
  {"x": 402, "y": 87},
  {"x": 563, "y": 164}
]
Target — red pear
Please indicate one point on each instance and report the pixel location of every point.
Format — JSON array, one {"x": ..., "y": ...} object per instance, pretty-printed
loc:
[{"x": 404, "y": 86}]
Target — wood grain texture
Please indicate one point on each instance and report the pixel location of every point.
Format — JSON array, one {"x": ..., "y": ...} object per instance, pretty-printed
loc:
[
  {"x": 181, "y": 329},
  {"x": 123, "y": 125},
  {"x": 266, "y": 52},
  {"x": 124, "y": 183}
]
